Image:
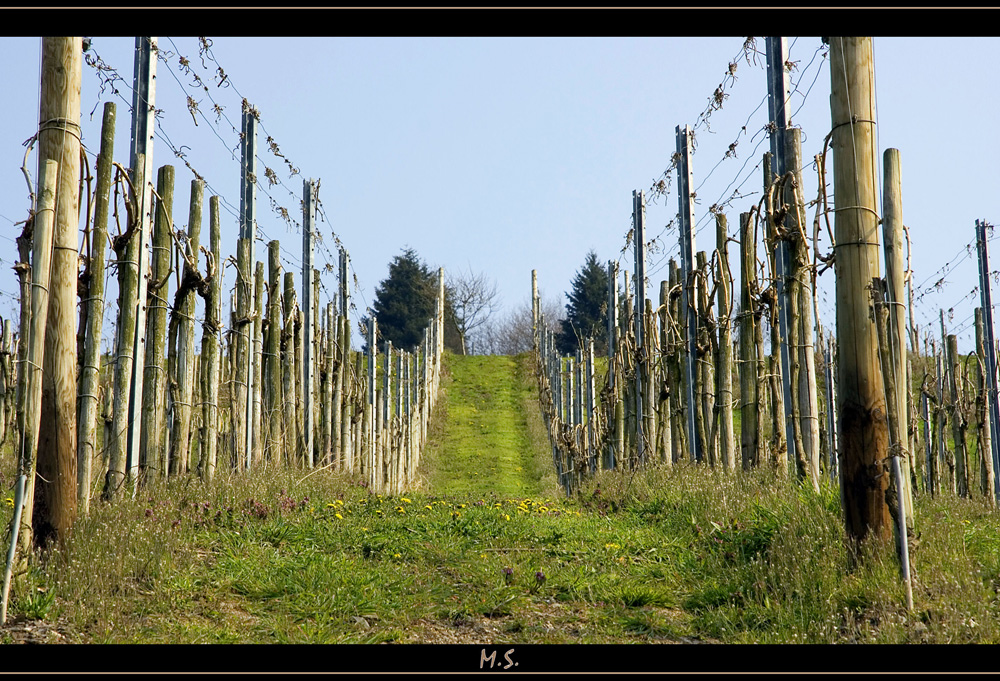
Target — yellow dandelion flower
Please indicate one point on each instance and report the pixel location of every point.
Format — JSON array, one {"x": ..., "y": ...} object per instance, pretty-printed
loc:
[
  {"x": 340, "y": 517},
  {"x": 612, "y": 546},
  {"x": 397, "y": 555},
  {"x": 400, "y": 509},
  {"x": 428, "y": 507},
  {"x": 331, "y": 505},
  {"x": 507, "y": 517},
  {"x": 405, "y": 500}
]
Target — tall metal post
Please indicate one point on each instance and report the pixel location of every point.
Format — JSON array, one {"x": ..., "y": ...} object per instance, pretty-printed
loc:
[
  {"x": 986, "y": 296},
  {"x": 143, "y": 99},
  {"x": 777, "y": 95},
  {"x": 688, "y": 301},
  {"x": 639, "y": 219},
  {"x": 248, "y": 231},
  {"x": 308, "y": 351}
]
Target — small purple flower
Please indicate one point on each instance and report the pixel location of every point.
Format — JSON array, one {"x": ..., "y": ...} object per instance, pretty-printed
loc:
[
  {"x": 508, "y": 573},
  {"x": 539, "y": 576}
]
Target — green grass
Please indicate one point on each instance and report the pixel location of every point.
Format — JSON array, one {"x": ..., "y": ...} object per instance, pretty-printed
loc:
[
  {"x": 501, "y": 556},
  {"x": 491, "y": 438}
]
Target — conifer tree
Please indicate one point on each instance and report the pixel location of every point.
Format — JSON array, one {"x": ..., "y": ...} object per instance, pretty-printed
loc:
[{"x": 586, "y": 313}]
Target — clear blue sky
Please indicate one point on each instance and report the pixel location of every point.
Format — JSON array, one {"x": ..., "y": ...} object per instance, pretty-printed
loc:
[{"x": 505, "y": 155}]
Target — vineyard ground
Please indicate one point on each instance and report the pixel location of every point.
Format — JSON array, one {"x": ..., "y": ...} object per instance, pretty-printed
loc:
[{"x": 488, "y": 551}]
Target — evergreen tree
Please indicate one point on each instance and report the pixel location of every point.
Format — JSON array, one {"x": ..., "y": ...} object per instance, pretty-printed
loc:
[
  {"x": 404, "y": 305},
  {"x": 404, "y": 301},
  {"x": 586, "y": 313}
]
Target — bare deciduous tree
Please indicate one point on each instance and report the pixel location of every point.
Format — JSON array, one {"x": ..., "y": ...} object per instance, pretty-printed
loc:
[
  {"x": 511, "y": 334},
  {"x": 474, "y": 299}
]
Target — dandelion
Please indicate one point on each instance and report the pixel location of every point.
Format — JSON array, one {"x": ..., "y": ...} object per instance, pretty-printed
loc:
[
  {"x": 400, "y": 509},
  {"x": 340, "y": 517},
  {"x": 397, "y": 555},
  {"x": 428, "y": 507},
  {"x": 405, "y": 500},
  {"x": 9, "y": 501},
  {"x": 506, "y": 517},
  {"x": 455, "y": 515}
]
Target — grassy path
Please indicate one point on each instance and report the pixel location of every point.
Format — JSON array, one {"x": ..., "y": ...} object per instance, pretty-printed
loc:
[
  {"x": 487, "y": 550},
  {"x": 488, "y": 436}
]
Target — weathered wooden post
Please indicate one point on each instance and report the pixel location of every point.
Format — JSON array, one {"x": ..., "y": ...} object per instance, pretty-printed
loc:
[
  {"x": 90, "y": 369},
  {"x": 32, "y": 377},
  {"x": 958, "y": 422},
  {"x": 59, "y": 140},
  {"x": 751, "y": 452},
  {"x": 861, "y": 403},
  {"x": 724, "y": 370},
  {"x": 183, "y": 312},
  {"x": 892, "y": 236},
  {"x": 885, "y": 357},
  {"x": 288, "y": 373},
  {"x": 704, "y": 374},
  {"x": 210, "y": 369},
  {"x": 985, "y": 435},
  {"x": 800, "y": 286},
  {"x": 152, "y": 454},
  {"x": 257, "y": 370},
  {"x": 664, "y": 401}
]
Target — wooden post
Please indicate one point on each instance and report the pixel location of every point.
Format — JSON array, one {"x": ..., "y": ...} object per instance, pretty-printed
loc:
[
  {"x": 128, "y": 257},
  {"x": 724, "y": 370},
  {"x": 59, "y": 140},
  {"x": 152, "y": 454},
  {"x": 210, "y": 369},
  {"x": 861, "y": 402},
  {"x": 800, "y": 284},
  {"x": 892, "y": 236},
  {"x": 299, "y": 386},
  {"x": 664, "y": 401},
  {"x": 90, "y": 370},
  {"x": 272, "y": 393},
  {"x": 34, "y": 350},
  {"x": 985, "y": 435},
  {"x": 180, "y": 439},
  {"x": 680, "y": 433},
  {"x": 751, "y": 452},
  {"x": 958, "y": 422},
  {"x": 288, "y": 372},
  {"x": 885, "y": 357},
  {"x": 781, "y": 425},
  {"x": 704, "y": 371},
  {"x": 257, "y": 369}
]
